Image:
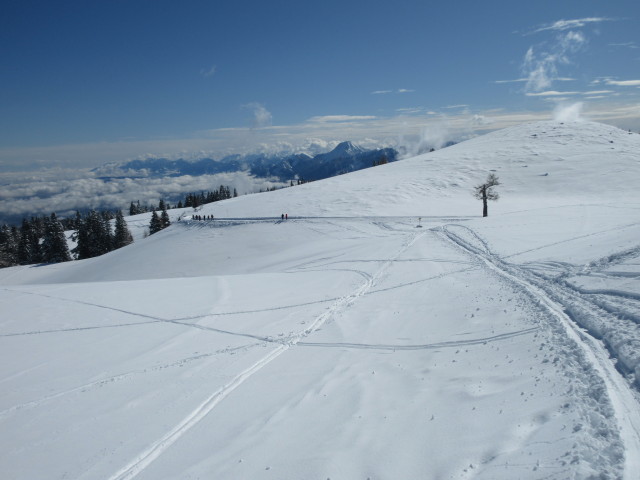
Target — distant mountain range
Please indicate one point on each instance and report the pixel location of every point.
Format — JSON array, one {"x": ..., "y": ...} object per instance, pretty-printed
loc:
[{"x": 344, "y": 158}]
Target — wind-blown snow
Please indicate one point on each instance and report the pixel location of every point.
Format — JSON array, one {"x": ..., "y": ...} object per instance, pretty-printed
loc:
[{"x": 385, "y": 330}]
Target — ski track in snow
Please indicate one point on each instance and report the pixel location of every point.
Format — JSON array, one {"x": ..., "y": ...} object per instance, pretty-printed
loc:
[
  {"x": 78, "y": 329},
  {"x": 428, "y": 346},
  {"x": 555, "y": 298},
  {"x": 568, "y": 240},
  {"x": 157, "y": 448},
  {"x": 116, "y": 378},
  {"x": 182, "y": 321}
]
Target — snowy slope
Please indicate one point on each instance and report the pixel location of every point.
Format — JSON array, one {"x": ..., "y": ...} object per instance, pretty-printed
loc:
[{"x": 384, "y": 331}]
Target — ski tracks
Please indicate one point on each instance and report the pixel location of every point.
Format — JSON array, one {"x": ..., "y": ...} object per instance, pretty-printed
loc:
[
  {"x": 158, "y": 447},
  {"x": 623, "y": 399},
  {"x": 116, "y": 378}
]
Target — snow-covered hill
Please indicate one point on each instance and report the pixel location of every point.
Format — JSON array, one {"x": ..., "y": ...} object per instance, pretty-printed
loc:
[{"x": 385, "y": 330}]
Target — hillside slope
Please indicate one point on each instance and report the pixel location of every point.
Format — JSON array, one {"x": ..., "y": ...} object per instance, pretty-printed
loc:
[{"x": 385, "y": 330}]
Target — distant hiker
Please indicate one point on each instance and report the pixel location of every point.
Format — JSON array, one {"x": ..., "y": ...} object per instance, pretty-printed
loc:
[
  {"x": 282, "y": 216},
  {"x": 286, "y": 216}
]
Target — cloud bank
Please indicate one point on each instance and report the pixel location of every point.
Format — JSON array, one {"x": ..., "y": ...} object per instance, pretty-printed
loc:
[{"x": 27, "y": 195}]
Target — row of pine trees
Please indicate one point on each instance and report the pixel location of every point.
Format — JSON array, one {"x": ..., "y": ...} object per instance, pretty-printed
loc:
[
  {"x": 190, "y": 200},
  {"x": 42, "y": 239}
]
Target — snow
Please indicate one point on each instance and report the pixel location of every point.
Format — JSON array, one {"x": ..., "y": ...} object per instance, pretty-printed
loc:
[{"x": 385, "y": 330}]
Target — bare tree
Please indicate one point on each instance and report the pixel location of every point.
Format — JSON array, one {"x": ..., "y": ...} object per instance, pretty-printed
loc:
[{"x": 485, "y": 192}]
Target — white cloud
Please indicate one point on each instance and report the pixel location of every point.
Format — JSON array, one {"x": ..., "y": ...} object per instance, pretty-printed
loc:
[
  {"x": 517, "y": 80},
  {"x": 481, "y": 120},
  {"x": 456, "y": 106},
  {"x": 568, "y": 113},
  {"x": 64, "y": 196},
  {"x": 410, "y": 110},
  {"x": 551, "y": 93},
  {"x": 386, "y": 92},
  {"x": 627, "y": 45},
  {"x": 562, "y": 25},
  {"x": 261, "y": 116},
  {"x": 522, "y": 80},
  {"x": 210, "y": 72},
  {"x": 623, "y": 83},
  {"x": 541, "y": 67},
  {"x": 340, "y": 118}
]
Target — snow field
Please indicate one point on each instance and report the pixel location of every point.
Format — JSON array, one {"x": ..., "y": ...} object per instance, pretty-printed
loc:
[{"x": 347, "y": 342}]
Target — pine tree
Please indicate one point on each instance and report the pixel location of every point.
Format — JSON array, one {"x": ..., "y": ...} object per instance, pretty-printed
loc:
[
  {"x": 101, "y": 232},
  {"x": 164, "y": 219},
  {"x": 54, "y": 243},
  {"x": 155, "y": 225},
  {"x": 28, "y": 244},
  {"x": 83, "y": 241},
  {"x": 122, "y": 236},
  {"x": 8, "y": 246},
  {"x": 93, "y": 236}
]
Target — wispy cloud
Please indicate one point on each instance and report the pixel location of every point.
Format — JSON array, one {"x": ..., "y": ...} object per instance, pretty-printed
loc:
[
  {"x": 550, "y": 93},
  {"x": 541, "y": 67},
  {"x": 626, "y": 44},
  {"x": 410, "y": 110},
  {"x": 523, "y": 80},
  {"x": 623, "y": 83},
  {"x": 261, "y": 116},
  {"x": 340, "y": 118},
  {"x": 386, "y": 92},
  {"x": 568, "y": 112},
  {"x": 481, "y": 120},
  {"x": 210, "y": 72},
  {"x": 562, "y": 25},
  {"x": 456, "y": 106},
  {"x": 517, "y": 80}
]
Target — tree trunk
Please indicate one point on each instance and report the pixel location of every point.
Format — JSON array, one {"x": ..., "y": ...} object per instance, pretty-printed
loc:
[{"x": 485, "y": 208}]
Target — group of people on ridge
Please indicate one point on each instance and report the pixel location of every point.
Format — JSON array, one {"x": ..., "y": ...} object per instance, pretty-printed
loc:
[{"x": 202, "y": 217}]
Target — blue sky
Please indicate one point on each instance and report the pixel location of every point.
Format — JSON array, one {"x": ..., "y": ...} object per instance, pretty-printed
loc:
[{"x": 84, "y": 82}]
